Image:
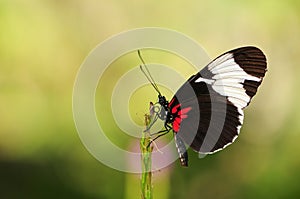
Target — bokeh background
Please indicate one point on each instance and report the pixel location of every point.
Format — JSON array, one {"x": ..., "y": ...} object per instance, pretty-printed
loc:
[{"x": 44, "y": 42}]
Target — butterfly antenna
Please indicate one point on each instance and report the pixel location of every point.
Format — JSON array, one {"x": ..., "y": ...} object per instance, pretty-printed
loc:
[{"x": 147, "y": 73}]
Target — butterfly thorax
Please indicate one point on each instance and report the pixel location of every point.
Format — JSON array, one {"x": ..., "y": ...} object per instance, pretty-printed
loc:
[{"x": 165, "y": 113}]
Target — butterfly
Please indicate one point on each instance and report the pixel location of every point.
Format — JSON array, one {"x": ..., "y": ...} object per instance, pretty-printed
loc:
[{"x": 206, "y": 112}]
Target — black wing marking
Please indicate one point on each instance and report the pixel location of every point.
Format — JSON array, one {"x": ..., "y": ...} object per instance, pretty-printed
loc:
[{"x": 236, "y": 74}]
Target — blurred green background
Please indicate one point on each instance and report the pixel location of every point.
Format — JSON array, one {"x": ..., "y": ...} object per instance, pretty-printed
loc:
[{"x": 44, "y": 42}]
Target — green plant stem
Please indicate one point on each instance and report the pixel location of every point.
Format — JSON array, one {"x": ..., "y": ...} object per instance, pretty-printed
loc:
[{"x": 146, "y": 150}]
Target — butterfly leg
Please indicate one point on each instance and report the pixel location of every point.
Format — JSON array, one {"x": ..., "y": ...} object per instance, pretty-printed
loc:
[
  {"x": 151, "y": 124},
  {"x": 155, "y": 116},
  {"x": 161, "y": 133}
]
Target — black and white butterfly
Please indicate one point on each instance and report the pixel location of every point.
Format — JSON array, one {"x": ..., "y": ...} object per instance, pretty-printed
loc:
[{"x": 207, "y": 111}]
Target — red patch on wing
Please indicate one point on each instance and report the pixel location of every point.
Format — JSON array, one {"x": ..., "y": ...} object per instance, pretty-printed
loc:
[
  {"x": 175, "y": 126},
  {"x": 180, "y": 115},
  {"x": 171, "y": 102},
  {"x": 174, "y": 109},
  {"x": 185, "y": 110}
]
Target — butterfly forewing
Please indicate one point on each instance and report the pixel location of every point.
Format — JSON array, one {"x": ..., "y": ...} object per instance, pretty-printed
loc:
[{"x": 209, "y": 117}]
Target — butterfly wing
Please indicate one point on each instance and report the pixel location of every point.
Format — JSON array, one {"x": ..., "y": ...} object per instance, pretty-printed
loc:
[{"x": 208, "y": 109}]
